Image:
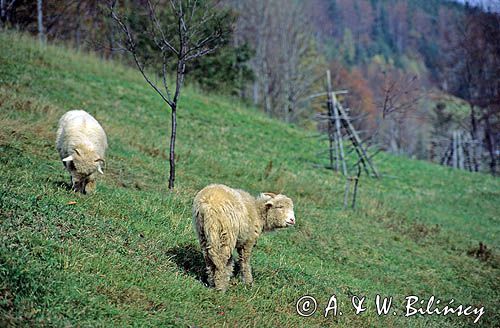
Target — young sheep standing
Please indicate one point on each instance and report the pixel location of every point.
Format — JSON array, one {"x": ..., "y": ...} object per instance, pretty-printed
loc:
[
  {"x": 81, "y": 143},
  {"x": 226, "y": 218}
]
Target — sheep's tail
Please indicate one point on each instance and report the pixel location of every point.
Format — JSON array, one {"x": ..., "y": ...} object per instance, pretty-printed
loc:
[{"x": 213, "y": 235}]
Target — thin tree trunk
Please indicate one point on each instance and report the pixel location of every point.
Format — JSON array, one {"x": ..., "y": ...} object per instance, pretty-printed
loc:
[
  {"x": 466, "y": 150},
  {"x": 473, "y": 134},
  {"x": 173, "y": 134},
  {"x": 111, "y": 40},
  {"x": 460, "y": 152},
  {"x": 444, "y": 160},
  {"x": 490, "y": 144},
  {"x": 2, "y": 12},
  {"x": 78, "y": 26},
  {"x": 181, "y": 69},
  {"x": 41, "y": 33},
  {"x": 454, "y": 150},
  {"x": 255, "y": 93},
  {"x": 393, "y": 137}
]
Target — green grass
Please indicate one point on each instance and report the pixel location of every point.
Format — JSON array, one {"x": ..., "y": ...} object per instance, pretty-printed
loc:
[{"x": 127, "y": 255}]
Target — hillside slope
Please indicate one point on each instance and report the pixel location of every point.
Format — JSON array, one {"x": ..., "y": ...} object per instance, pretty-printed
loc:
[{"x": 127, "y": 255}]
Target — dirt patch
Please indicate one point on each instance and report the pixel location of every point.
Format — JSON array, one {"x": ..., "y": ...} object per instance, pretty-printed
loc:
[
  {"x": 418, "y": 231},
  {"x": 482, "y": 252},
  {"x": 415, "y": 230}
]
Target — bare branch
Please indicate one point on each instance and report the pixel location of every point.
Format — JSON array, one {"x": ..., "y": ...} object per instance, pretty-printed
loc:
[
  {"x": 154, "y": 19},
  {"x": 164, "y": 73},
  {"x": 131, "y": 47},
  {"x": 399, "y": 96},
  {"x": 201, "y": 53}
]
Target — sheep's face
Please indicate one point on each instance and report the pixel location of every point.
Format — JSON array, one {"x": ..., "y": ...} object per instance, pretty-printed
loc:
[
  {"x": 280, "y": 212},
  {"x": 83, "y": 166}
]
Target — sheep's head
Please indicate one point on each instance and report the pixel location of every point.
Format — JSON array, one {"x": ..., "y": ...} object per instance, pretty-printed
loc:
[
  {"x": 83, "y": 165},
  {"x": 278, "y": 211}
]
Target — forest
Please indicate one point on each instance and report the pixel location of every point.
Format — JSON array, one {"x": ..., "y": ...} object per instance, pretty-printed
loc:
[{"x": 419, "y": 74}]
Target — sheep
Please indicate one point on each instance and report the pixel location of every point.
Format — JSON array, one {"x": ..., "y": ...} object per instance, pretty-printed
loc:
[
  {"x": 81, "y": 143},
  {"x": 225, "y": 218}
]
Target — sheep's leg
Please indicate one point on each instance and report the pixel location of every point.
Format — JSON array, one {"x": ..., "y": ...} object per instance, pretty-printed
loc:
[
  {"x": 223, "y": 267},
  {"x": 222, "y": 275},
  {"x": 73, "y": 184},
  {"x": 229, "y": 267},
  {"x": 244, "y": 253},
  {"x": 210, "y": 268}
]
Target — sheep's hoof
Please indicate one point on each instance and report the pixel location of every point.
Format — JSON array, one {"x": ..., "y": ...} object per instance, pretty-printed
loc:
[
  {"x": 221, "y": 289},
  {"x": 247, "y": 280},
  {"x": 89, "y": 187}
]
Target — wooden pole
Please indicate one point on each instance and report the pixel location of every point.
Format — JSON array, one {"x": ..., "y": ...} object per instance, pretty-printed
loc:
[
  {"x": 337, "y": 155},
  {"x": 41, "y": 33},
  {"x": 339, "y": 134},
  {"x": 356, "y": 181},
  {"x": 447, "y": 154},
  {"x": 472, "y": 155},
  {"x": 454, "y": 151},
  {"x": 460, "y": 151},
  {"x": 331, "y": 137},
  {"x": 338, "y": 119},
  {"x": 467, "y": 159},
  {"x": 331, "y": 145},
  {"x": 356, "y": 141}
]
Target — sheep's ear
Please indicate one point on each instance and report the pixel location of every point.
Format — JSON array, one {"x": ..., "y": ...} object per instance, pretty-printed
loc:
[
  {"x": 67, "y": 159},
  {"x": 270, "y": 194},
  {"x": 101, "y": 163}
]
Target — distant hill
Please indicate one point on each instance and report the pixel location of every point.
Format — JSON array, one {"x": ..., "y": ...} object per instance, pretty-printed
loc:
[
  {"x": 356, "y": 31},
  {"x": 490, "y": 5}
]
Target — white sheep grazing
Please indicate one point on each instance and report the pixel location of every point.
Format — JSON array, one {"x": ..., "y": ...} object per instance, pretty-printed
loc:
[
  {"x": 226, "y": 218},
  {"x": 81, "y": 143}
]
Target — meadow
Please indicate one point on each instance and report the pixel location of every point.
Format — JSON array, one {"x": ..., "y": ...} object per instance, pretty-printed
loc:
[{"x": 127, "y": 255}]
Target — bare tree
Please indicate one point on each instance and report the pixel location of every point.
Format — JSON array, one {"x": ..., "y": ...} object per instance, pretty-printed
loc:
[
  {"x": 185, "y": 39},
  {"x": 399, "y": 96},
  {"x": 41, "y": 30},
  {"x": 286, "y": 62},
  {"x": 3, "y": 12},
  {"x": 5, "y": 8},
  {"x": 473, "y": 70}
]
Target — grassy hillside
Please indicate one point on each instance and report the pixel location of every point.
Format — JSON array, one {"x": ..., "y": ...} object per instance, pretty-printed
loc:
[{"x": 127, "y": 255}]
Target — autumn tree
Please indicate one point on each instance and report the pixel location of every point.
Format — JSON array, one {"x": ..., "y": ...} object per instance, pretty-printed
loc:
[
  {"x": 359, "y": 99},
  {"x": 285, "y": 59},
  {"x": 472, "y": 71}
]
